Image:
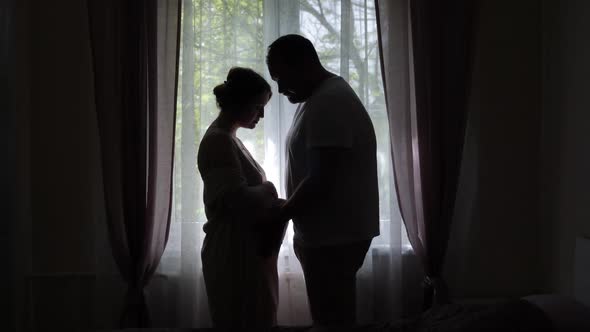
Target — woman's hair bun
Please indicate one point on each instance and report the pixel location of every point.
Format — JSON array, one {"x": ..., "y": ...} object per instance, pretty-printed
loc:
[
  {"x": 220, "y": 92},
  {"x": 242, "y": 84}
]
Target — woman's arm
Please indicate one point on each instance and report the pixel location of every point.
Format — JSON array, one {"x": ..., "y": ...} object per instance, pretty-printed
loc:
[
  {"x": 225, "y": 185},
  {"x": 257, "y": 203}
]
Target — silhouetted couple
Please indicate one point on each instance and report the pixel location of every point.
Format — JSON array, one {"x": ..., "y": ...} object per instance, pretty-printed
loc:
[{"x": 332, "y": 192}]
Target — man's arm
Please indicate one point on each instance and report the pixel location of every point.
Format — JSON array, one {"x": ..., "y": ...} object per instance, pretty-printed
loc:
[{"x": 326, "y": 166}]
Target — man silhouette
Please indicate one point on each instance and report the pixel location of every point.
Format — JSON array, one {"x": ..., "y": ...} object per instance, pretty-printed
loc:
[{"x": 331, "y": 176}]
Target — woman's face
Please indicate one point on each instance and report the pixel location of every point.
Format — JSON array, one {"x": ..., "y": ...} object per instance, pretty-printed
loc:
[{"x": 253, "y": 111}]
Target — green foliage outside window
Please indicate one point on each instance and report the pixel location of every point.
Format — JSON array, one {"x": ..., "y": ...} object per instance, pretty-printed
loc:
[{"x": 219, "y": 34}]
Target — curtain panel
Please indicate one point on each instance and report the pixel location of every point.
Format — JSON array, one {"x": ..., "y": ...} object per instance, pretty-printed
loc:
[
  {"x": 426, "y": 59},
  {"x": 135, "y": 53}
]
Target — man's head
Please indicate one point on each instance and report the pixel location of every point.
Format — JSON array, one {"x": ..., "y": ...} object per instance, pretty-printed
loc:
[{"x": 293, "y": 62}]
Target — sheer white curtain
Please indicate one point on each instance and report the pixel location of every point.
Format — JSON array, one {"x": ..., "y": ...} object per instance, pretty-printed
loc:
[{"x": 217, "y": 35}]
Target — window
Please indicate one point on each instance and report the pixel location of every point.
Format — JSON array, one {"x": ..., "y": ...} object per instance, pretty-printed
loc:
[{"x": 217, "y": 35}]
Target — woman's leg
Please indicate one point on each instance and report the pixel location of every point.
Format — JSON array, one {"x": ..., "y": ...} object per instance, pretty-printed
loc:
[{"x": 267, "y": 293}]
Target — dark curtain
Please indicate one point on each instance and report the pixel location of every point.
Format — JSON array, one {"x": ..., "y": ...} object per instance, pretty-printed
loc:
[
  {"x": 135, "y": 61},
  {"x": 426, "y": 59}
]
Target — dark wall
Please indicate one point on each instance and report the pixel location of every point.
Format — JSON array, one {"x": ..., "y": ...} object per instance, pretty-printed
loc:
[
  {"x": 63, "y": 138},
  {"x": 525, "y": 188},
  {"x": 58, "y": 175},
  {"x": 493, "y": 250},
  {"x": 565, "y": 139},
  {"x": 8, "y": 183}
]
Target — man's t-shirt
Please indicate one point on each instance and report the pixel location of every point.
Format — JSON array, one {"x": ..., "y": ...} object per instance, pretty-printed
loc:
[{"x": 334, "y": 117}]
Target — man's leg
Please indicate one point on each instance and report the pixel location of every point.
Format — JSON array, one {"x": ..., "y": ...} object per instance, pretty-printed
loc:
[{"x": 330, "y": 280}]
